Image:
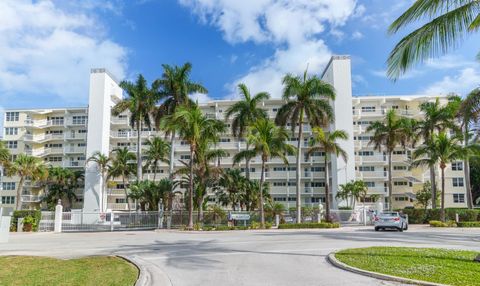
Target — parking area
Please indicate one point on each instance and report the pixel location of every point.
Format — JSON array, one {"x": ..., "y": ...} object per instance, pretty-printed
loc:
[{"x": 261, "y": 257}]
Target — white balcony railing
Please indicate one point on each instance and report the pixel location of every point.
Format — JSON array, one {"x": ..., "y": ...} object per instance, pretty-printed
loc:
[{"x": 31, "y": 198}]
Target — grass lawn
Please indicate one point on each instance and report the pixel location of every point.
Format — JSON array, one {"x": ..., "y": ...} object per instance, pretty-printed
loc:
[
  {"x": 453, "y": 267},
  {"x": 96, "y": 270}
]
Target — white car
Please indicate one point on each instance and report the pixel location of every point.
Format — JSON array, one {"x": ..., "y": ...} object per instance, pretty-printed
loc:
[{"x": 391, "y": 220}]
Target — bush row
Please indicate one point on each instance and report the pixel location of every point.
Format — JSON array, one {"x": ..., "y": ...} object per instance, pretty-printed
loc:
[
  {"x": 419, "y": 216},
  {"x": 437, "y": 223},
  {"x": 469, "y": 224},
  {"x": 34, "y": 217},
  {"x": 309, "y": 225}
]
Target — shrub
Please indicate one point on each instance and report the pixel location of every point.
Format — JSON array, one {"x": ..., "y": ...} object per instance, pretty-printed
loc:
[
  {"x": 28, "y": 223},
  {"x": 469, "y": 224},
  {"x": 241, "y": 227},
  {"x": 437, "y": 223},
  {"x": 418, "y": 216},
  {"x": 224, "y": 227},
  {"x": 268, "y": 225},
  {"x": 309, "y": 225},
  {"x": 255, "y": 225},
  {"x": 36, "y": 215},
  {"x": 208, "y": 228}
]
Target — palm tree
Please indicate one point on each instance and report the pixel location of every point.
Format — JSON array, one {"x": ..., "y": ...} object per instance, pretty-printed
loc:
[
  {"x": 232, "y": 187},
  {"x": 436, "y": 119},
  {"x": 356, "y": 190},
  {"x": 26, "y": 166},
  {"x": 443, "y": 150},
  {"x": 307, "y": 101},
  {"x": 447, "y": 23},
  {"x": 140, "y": 103},
  {"x": 61, "y": 183},
  {"x": 327, "y": 142},
  {"x": 122, "y": 166},
  {"x": 157, "y": 152},
  {"x": 4, "y": 158},
  {"x": 103, "y": 163},
  {"x": 245, "y": 112},
  {"x": 268, "y": 141},
  {"x": 468, "y": 113},
  {"x": 174, "y": 87},
  {"x": 388, "y": 134},
  {"x": 192, "y": 125}
]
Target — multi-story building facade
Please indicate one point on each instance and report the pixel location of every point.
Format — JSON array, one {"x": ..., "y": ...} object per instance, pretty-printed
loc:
[{"x": 59, "y": 136}]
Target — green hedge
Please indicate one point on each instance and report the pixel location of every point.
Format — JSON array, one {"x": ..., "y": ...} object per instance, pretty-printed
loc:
[
  {"x": 469, "y": 224},
  {"x": 308, "y": 225},
  {"x": 419, "y": 216},
  {"x": 36, "y": 214},
  {"x": 437, "y": 223}
]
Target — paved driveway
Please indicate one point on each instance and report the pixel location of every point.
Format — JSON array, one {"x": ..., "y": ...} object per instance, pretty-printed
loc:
[{"x": 271, "y": 257}]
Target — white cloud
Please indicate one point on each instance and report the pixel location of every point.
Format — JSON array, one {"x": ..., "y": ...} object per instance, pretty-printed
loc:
[
  {"x": 200, "y": 97},
  {"x": 466, "y": 80},
  {"x": 357, "y": 35},
  {"x": 293, "y": 27},
  {"x": 49, "y": 50}
]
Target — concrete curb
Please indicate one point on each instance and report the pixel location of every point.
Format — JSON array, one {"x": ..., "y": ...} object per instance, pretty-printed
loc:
[
  {"x": 149, "y": 274},
  {"x": 335, "y": 262}
]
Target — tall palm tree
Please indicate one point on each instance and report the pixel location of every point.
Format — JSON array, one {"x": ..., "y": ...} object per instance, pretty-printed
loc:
[
  {"x": 245, "y": 112},
  {"x": 443, "y": 150},
  {"x": 192, "y": 125},
  {"x": 4, "y": 158},
  {"x": 157, "y": 152},
  {"x": 268, "y": 141},
  {"x": 122, "y": 166},
  {"x": 388, "y": 134},
  {"x": 174, "y": 87},
  {"x": 469, "y": 113},
  {"x": 327, "y": 142},
  {"x": 437, "y": 118},
  {"x": 307, "y": 101},
  {"x": 26, "y": 166},
  {"x": 447, "y": 23},
  {"x": 61, "y": 183},
  {"x": 140, "y": 102},
  {"x": 232, "y": 187},
  {"x": 103, "y": 163}
]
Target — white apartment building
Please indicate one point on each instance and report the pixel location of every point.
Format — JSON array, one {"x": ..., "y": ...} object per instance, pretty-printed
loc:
[{"x": 59, "y": 136}]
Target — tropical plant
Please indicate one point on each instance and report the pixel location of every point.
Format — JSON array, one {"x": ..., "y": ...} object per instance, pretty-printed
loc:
[
  {"x": 140, "y": 103},
  {"x": 192, "y": 125},
  {"x": 251, "y": 198},
  {"x": 388, "y": 134},
  {"x": 150, "y": 195},
  {"x": 245, "y": 112},
  {"x": 174, "y": 87},
  {"x": 424, "y": 196},
  {"x": 232, "y": 187},
  {"x": 61, "y": 183},
  {"x": 447, "y": 23},
  {"x": 307, "y": 101},
  {"x": 443, "y": 150},
  {"x": 156, "y": 152},
  {"x": 355, "y": 190},
  {"x": 26, "y": 166},
  {"x": 122, "y": 166},
  {"x": 322, "y": 141},
  {"x": 268, "y": 141},
  {"x": 4, "y": 158},
  {"x": 437, "y": 118},
  {"x": 102, "y": 162}
]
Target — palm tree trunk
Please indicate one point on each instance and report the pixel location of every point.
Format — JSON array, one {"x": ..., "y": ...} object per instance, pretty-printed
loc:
[
  {"x": 299, "y": 171},
  {"x": 139, "y": 150},
  {"x": 190, "y": 207},
  {"x": 262, "y": 180},
  {"x": 155, "y": 170},
  {"x": 172, "y": 155},
  {"x": 390, "y": 183},
  {"x": 126, "y": 194},
  {"x": 442, "y": 211},
  {"x": 247, "y": 164},
  {"x": 466, "y": 171},
  {"x": 103, "y": 191},
  {"x": 434, "y": 187},
  {"x": 327, "y": 191},
  {"x": 19, "y": 193}
]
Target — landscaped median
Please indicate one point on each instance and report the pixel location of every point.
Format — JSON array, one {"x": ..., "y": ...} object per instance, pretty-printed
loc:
[
  {"x": 451, "y": 223},
  {"x": 96, "y": 270},
  {"x": 442, "y": 266},
  {"x": 308, "y": 225}
]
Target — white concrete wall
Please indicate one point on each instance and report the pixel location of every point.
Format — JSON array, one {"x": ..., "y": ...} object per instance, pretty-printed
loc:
[
  {"x": 338, "y": 74},
  {"x": 104, "y": 90}
]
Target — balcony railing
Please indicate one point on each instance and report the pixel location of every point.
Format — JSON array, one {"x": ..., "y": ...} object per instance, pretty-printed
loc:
[{"x": 31, "y": 198}]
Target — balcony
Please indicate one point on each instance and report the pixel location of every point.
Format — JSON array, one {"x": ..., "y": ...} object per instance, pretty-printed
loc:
[
  {"x": 75, "y": 136},
  {"x": 120, "y": 206},
  {"x": 74, "y": 150},
  {"x": 43, "y": 123},
  {"x": 74, "y": 164},
  {"x": 40, "y": 138},
  {"x": 119, "y": 121},
  {"x": 371, "y": 175},
  {"x": 71, "y": 122},
  {"x": 31, "y": 198},
  {"x": 375, "y": 158}
]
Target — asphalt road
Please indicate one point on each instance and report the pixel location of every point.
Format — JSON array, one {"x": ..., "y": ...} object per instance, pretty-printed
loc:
[{"x": 270, "y": 257}]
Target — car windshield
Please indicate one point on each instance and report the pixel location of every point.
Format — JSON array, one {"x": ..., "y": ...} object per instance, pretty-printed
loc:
[{"x": 389, "y": 214}]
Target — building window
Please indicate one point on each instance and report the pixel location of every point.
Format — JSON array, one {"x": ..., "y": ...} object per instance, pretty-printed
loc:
[
  {"x": 364, "y": 122},
  {"x": 8, "y": 200},
  {"x": 12, "y": 116},
  {"x": 400, "y": 183},
  {"x": 317, "y": 169},
  {"x": 224, "y": 140},
  {"x": 12, "y": 144},
  {"x": 279, "y": 184},
  {"x": 400, "y": 168},
  {"x": 368, "y": 108},
  {"x": 55, "y": 159},
  {"x": 364, "y": 138},
  {"x": 457, "y": 182},
  {"x": 279, "y": 199},
  {"x": 279, "y": 169},
  {"x": 57, "y": 120},
  {"x": 365, "y": 153},
  {"x": 82, "y": 131},
  {"x": 8, "y": 186},
  {"x": 292, "y": 199},
  {"x": 120, "y": 201},
  {"x": 401, "y": 199},
  {"x": 11, "y": 131},
  {"x": 79, "y": 119},
  {"x": 184, "y": 157},
  {"x": 459, "y": 198},
  {"x": 401, "y": 152},
  {"x": 317, "y": 184},
  {"x": 457, "y": 166},
  {"x": 370, "y": 184},
  {"x": 366, "y": 168},
  {"x": 82, "y": 144}
]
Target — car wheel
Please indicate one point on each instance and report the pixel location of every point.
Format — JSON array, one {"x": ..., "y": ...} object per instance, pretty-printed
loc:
[
  {"x": 406, "y": 227},
  {"x": 400, "y": 229},
  {"x": 376, "y": 229}
]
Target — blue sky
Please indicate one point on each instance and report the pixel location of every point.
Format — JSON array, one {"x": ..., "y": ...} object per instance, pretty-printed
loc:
[{"x": 48, "y": 47}]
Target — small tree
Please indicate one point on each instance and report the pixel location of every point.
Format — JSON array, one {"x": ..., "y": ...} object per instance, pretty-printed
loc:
[{"x": 424, "y": 196}]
